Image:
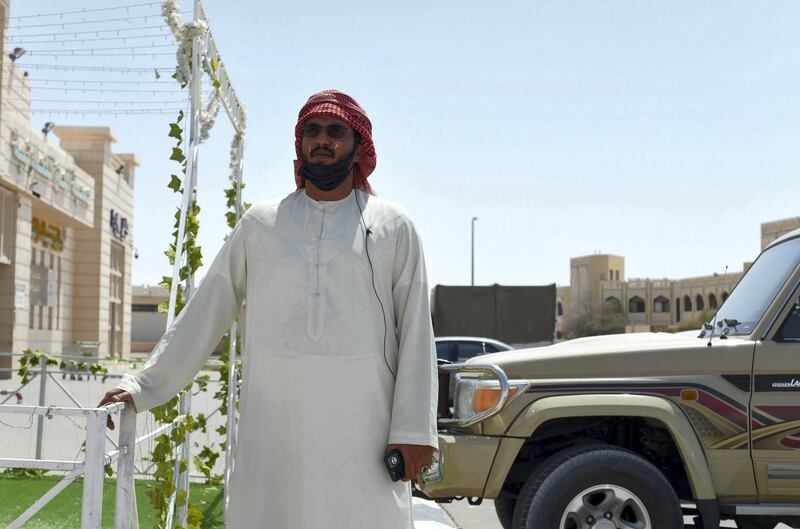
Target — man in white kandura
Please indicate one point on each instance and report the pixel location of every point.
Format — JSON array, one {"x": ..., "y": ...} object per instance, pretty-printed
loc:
[{"x": 339, "y": 360}]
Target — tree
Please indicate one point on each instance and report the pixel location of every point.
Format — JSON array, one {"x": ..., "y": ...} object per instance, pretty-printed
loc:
[
  {"x": 610, "y": 321},
  {"x": 695, "y": 324}
]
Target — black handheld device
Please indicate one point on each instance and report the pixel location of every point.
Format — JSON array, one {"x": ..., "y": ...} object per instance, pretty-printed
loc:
[{"x": 395, "y": 464}]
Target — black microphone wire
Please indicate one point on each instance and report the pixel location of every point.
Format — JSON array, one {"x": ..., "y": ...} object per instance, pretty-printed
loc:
[{"x": 367, "y": 233}]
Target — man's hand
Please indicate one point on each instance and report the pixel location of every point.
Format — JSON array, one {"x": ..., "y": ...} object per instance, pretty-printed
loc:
[
  {"x": 415, "y": 457},
  {"x": 112, "y": 397}
]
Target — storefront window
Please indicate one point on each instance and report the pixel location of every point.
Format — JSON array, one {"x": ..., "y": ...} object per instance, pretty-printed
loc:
[
  {"x": 6, "y": 225},
  {"x": 45, "y": 290},
  {"x": 116, "y": 294}
]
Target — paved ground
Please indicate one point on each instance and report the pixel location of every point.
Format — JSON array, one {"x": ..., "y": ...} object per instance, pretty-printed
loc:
[{"x": 428, "y": 515}]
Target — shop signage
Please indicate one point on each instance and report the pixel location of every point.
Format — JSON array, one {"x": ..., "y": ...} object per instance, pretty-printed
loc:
[
  {"x": 119, "y": 225},
  {"x": 62, "y": 179},
  {"x": 47, "y": 235},
  {"x": 43, "y": 166}
]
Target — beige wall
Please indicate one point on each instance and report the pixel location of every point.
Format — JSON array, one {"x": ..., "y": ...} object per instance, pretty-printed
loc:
[
  {"x": 586, "y": 275},
  {"x": 91, "y": 149},
  {"x": 708, "y": 289},
  {"x": 664, "y": 303}
]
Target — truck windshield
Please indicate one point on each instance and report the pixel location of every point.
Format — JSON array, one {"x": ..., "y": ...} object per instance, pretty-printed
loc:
[{"x": 749, "y": 300}]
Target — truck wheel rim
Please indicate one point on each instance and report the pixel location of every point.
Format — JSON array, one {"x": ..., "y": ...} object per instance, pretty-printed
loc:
[{"x": 605, "y": 507}]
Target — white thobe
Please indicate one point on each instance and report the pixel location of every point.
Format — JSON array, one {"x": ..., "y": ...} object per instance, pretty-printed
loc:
[{"x": 319, "y": 403}]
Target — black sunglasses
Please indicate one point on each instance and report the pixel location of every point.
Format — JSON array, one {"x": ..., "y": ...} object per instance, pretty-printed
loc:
[{"x": 334, "y": 131}]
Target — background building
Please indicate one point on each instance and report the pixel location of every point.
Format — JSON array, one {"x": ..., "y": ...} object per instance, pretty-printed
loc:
[
  {"x": 66, "y": 222},
  {"x": 147, "y": 324},
  {"x": 587, "y": 275},
  {"x": 600, "y": 299}
]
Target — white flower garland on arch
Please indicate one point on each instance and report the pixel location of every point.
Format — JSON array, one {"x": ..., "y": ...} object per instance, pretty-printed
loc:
[
  {"x": 236, "y": 142},
  {"x": 184, "y": 32}
]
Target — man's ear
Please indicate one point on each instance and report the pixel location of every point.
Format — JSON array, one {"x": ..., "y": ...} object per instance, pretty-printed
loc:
[{"x": 357, "y": 154}]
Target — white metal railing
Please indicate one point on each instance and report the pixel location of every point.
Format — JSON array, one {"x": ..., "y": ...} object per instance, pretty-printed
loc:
[
  {"x": 92, "y": 467},
  {"x": 48, "y": 375},
  {"x": 96, "y": 455}
]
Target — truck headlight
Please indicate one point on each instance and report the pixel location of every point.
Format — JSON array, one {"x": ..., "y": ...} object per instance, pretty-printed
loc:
[
  {"x": 434, "y": 473},
  {"x": 475, "y": 396}
]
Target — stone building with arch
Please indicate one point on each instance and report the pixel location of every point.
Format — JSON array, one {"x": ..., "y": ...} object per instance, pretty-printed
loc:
[{"x": 598, "y": 286}]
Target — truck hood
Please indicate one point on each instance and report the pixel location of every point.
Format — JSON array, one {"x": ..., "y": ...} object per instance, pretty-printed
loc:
[{"x": 617, "y": 355}]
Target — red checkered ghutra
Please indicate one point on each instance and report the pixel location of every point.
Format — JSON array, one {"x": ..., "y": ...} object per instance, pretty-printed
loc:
[{"x": 342, "y": 106}]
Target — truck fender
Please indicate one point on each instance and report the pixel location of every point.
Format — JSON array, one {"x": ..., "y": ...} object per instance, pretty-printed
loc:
[{"x": 592, "y": 405}]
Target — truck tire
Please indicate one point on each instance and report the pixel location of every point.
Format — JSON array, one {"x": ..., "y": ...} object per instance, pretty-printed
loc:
[
  {"x": 599, "y": 487},
  {"x": 504, "y": 507}
]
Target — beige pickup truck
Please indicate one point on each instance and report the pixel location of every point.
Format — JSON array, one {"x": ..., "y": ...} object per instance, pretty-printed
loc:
[{"x": 634, "y": 431}]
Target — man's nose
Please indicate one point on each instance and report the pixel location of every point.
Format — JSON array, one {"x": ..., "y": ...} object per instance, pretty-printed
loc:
[{"x": 322, "y": 140}]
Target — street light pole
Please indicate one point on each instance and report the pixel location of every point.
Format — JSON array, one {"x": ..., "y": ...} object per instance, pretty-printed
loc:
[{"x": 472, "y": 282}]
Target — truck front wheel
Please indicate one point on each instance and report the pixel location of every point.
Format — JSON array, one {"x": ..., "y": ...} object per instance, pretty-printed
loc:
[
  {"x": 597, "y": 487},
  {"x": 504, "y": 507}
]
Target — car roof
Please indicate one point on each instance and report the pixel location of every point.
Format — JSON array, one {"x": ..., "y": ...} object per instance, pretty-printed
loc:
[{"x": 471, "y": 339}]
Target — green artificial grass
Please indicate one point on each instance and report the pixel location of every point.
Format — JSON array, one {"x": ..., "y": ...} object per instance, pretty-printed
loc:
[{"x": 64, "y": 511}]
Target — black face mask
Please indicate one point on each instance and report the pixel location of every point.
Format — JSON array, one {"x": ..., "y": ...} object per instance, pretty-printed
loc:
[{"x": 327, "y": 176}]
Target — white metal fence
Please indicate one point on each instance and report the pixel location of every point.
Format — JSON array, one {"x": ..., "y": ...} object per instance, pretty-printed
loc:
[
  {"x": 92, "y": 467},
  {"x": 100, "y": 448},
  {"x": 44, "y": 374}
]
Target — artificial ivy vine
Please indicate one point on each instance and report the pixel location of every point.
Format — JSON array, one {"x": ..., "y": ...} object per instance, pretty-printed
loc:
[
  {"x": 163, "y": 456},
  {"x": 208, "y": 456},
  {"x": 31, "y": 358}
]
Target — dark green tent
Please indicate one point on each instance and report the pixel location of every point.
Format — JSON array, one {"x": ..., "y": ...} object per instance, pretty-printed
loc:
[{"x": 515, "y": 315}]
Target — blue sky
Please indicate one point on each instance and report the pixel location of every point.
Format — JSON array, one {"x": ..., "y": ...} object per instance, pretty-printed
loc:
[{"x": 665, "y": 132}]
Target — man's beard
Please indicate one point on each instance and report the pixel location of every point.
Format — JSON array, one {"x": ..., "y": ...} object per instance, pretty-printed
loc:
[{"x": 327, "y": 177}]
